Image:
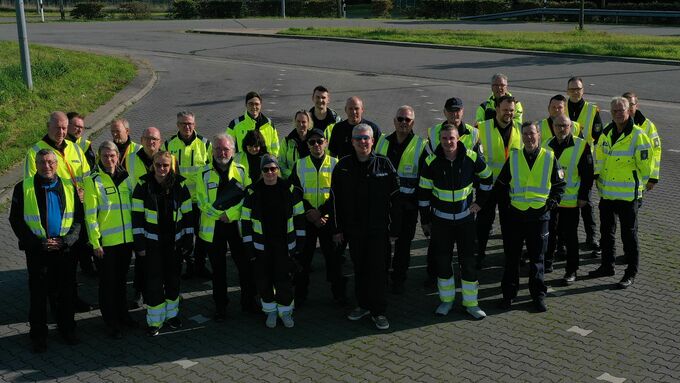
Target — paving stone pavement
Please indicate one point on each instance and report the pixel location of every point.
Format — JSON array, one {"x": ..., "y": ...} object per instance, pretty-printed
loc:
[{"x": 634, "y": 334}]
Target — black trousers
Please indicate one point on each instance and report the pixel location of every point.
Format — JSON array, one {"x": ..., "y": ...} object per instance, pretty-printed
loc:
[
  {"x": 628, "y": 217},
  {"x": 140, "y": 274},
  {"x": 227, "y": 237},
  {"x": 273, "y": 268},
  {"x": 563, "y": 228},
  {"x": 163, "y": 269},
  {"x": 447, "y": 234},
  {"x": 369, "y": 252},
  {"x": 197, "y": 261},
  {"x": 485, "y": 219},
  {"x": 588, "y": 215},
  {"x": 113, "y": 271},
  {"x": 332, "y": 258},
  {"x": 535, "y": 235},
  {"x": 51, "y": 273},
  {"x": 401, "y": 260}
]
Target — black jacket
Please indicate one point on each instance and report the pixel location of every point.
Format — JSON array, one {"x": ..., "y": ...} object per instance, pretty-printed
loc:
[
  {"x": 340, "y": 141},
  {"x": 363, "y": 195},
  {"x": 29, "y": 241}
]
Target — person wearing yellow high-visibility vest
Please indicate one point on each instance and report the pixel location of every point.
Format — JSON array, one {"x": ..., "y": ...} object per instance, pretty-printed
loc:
[
  {"x": 587, "y": 115},
  {"x": 407, "y": 153},
  {"x": 499, "y": 88},
  {"x": 499, "y": 137},
  {"x": 323, "y": 117},
  {"x": 445, "y": 197},
  {"x": 576, "y": 160},
  {"x": 76, "y": 126},
  {"x": 557, "y": 106},
  {"x": 273, "y": 227},
  {"x": 623, "y": 165},
  {"x": 192, "y": 153},
  {"x": 254, "y": 119},
  {"x": 108, "y": 218},
  {"x": 45, "y": 216},
  {"x": 162, "y": 226},
  {"x": 72, "y": 166},
  {"x": 294, "y": 146},
  {"x": 220, "y": 195},
  {"x": 120, "y": 134},
  {"x": 531, "y": 185},
  {"x": 649, "y": 128},
  {"x": 469, "y": 136},
  {"x": 312, "y": 175}
]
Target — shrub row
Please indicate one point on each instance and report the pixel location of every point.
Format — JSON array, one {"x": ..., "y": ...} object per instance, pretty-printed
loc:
[
  {"x": 95, "y": 10},
  {"x": 189, "y": 9}
]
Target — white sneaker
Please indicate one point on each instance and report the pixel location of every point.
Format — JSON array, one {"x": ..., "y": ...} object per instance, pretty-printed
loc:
[
  {"x": 287, "y": 319},
  {"x": 381, "y": 322},
  {"x": 444, "y": 308},
  {"x": 271, "y": 320},
  {"x": 357, "y": 313},
  {"x": 476, "y": 312}
]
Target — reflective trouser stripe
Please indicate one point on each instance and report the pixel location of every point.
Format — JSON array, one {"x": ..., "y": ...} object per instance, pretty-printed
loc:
[
  {"x": 268, "y": 307},
  {"x": 155, "y": 315},
  {"x": 171, "y": 308},
  {"x": 447, "y": 289},
  {"x": 285, "y": 309},
  {"x": 469, "y": 292}
]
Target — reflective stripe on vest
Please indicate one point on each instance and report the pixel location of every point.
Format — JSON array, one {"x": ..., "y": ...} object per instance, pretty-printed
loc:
[
  {"x": 569, "y": 162},
  {"x": 32, "y": 212},
  {"x": 316, "y": 185},
  {"x": 408, "y": 163},
  {"x": 492, "y": 143}
]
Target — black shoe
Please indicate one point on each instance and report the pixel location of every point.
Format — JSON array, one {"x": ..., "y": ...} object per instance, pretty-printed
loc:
[
  {"x": 505, "y": 303},
  {"x": 540, "y": 305},
  {"x": 70, "y": 338},
  {"x": 83, "y": 307},
  {"x": 593, "y": 245},
  {"x": 220, "y": 316},
  {"x": 626, "y": 282},
  {"x": 174, "y": 323},
  {"x": 601, "y": 271},
  {"x": 39, "y": 346},
  {"x": 398, "y": 288},
  {"x": 569, "y": 278},
  {"x": 153, "y": 331},
  {"x": 116, "y": 333},
  {"x": 548, "y": 269}
]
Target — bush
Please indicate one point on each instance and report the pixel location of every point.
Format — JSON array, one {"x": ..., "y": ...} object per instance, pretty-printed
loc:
[
  {"x": 135, "y": 10},
  {"x": 294, "y": 8},
  {"x": 219, "y": 9},
  {"x": 183, "y": 9},
  {"x": 88, "y": 11},
  {"x": 381, "y": 8}
]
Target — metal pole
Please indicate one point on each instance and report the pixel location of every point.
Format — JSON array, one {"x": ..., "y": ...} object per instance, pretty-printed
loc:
[
  {"x": 283, "y": 8},
  {"x": 23, "y": 45},
  {"x": 61, "y": 10},
  {"x": 582, "y": 15}
]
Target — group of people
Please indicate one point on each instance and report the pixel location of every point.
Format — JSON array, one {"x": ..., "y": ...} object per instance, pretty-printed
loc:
[{"x": 344, "y": 183}]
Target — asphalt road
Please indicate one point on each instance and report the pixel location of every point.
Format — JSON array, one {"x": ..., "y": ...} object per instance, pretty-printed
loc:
[{"x": 635, "y": 334}]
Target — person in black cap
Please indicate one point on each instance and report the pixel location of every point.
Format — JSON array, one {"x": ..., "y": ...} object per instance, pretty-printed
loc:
[
  {"x": 312, "y": 174},
  {"x": 273, "y": 228}
]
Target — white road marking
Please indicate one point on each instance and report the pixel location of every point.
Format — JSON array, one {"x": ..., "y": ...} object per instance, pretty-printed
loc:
[
  {"x": 275, "y": 90},
  {"x": 200, "y": 319},
  {"x": 420, "y": 90},
  {"x": 434, "y": 110},
  {"x": 415, "y": 84},
  {"x": 580, "y": 331},
  {"x": 429, "y": 103},
  {"x": 674, "y": 150},
  {"x": 185, "y": 363},
  {"x": 273, "y": 102},
  {"x": 610, "y": 378},
  {"x": 424, "y": 96}
]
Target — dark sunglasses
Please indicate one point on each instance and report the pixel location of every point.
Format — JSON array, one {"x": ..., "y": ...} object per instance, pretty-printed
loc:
[
  {"x": 362, "y": 137},
  {"x": 270, "y": 169},
  {"x": 404, "y": 119},
  {"x": 313, "y": 142}
]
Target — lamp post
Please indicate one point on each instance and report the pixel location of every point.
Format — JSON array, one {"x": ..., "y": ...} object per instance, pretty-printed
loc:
[{"x": 23, "y": 45}]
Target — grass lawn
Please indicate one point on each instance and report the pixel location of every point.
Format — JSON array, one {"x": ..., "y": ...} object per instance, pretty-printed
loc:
[
  {"x": 584, "y": 42},
  {"x": 62, "y": 80}
]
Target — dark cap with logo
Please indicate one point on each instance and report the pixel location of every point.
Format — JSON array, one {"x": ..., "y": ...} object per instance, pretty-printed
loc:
[
  {"x": 453, "y": 104},
  {"x": 316, "y": 132}
]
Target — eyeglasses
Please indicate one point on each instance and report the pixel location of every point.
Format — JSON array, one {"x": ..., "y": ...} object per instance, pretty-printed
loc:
[
  {"x": 185, "y": 123},
  {"x": 362, "y": 137},
  {"x": 152, "y": 139},
  {"x": 270, "y": 169},
  {"x": 404, "y": 119},
  {"x": 562, "y": 125},
  {"x": 574, "y": 89},
  {"x": 499, "y": 85},
  {"x": 313, "y": 142}
]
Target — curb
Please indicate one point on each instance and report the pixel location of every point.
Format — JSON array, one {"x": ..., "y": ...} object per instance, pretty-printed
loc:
[
  {"x": 524, "y": 52},
  {"x": 137, "y": 88}
]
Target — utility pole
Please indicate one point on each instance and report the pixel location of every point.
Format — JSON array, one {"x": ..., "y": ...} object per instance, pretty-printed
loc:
[
  {"x": 283, "y": 8},
  {"x": 61, "y": 10},
  {"x": 582, "y": 15},
  {"x": 23, "y": 45}
]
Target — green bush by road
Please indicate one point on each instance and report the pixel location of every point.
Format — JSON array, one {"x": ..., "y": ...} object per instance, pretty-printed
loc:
[
  {"x": 583, "y": 42},
  {"x": 63, "y": 80}
]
